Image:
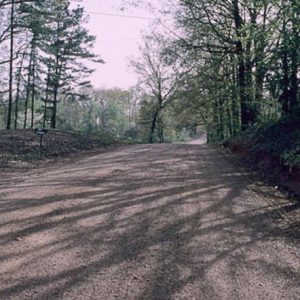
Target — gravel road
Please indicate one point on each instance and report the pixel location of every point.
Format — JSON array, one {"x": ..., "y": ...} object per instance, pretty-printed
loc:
[{"x": 144, "y": 222}]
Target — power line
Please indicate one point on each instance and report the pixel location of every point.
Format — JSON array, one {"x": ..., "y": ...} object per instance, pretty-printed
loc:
[
  {"x": 119, "y": 15},
  {"x": 119, "y": 40}
]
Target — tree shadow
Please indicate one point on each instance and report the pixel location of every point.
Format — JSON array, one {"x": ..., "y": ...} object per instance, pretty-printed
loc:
[{"x": 160, "y": 222}]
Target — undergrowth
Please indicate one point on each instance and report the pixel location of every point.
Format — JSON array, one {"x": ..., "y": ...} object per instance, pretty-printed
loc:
[{"x": 279, "y": 140}]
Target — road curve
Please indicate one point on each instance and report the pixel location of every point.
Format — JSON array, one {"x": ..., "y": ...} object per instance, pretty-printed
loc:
[{"x": 143, "y": 222}]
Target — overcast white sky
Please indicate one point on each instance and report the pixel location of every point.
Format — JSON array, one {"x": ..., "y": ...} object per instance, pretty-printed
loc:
[{"x": 117, "y": 40}]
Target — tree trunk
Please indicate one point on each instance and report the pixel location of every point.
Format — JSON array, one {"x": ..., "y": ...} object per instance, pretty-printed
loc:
[
  {"x": 54, "y": 110},
  {"x": 236, "y": 122},
  {"x": 58, "y": 70},
  {"x": 242, "y": 88},
  {"x": 29, "y": 78},
  {"x": 260, "y": 70},
  {"x": 259, "y": 83},
  {"x": 153, "y": 126},
  {"x": 46, "y": 96},
  {"x": 33, "y": 89},
  {"x": 229, "y": 119},
  {"x": 11, "y": 59},
  {"x": 160, "y": 127},
  {"x": 247, "y": 117},
  {"x": 285, "y": 97},
  {"x": 295, "y": 62},
  {"x": 18, "y": 91}
]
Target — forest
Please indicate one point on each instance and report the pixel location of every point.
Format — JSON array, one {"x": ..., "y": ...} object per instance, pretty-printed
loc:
[{"x": 225, "y": 66}]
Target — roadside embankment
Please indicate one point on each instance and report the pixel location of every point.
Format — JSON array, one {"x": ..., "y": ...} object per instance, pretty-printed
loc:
[
  {"x": 23, "y": 146},
  {"x": 273, "y": 149}
]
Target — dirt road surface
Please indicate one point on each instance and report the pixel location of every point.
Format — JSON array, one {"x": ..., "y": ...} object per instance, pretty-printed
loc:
[{"x": 144, "y": 222}]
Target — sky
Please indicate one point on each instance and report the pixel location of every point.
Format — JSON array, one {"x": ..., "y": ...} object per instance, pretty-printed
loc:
[{"x": 118, "y": 39}]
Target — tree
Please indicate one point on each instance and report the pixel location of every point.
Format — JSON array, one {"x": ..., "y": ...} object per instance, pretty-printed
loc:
[
  {"x": 48, "y": 47},
  {"x": 69, "y": 43},
  {"x": 159, "y": 78},
  {"x": 242, "y": 55},
  {"x": 11, "y": 58},
  {"x": 287, "y": 55}
]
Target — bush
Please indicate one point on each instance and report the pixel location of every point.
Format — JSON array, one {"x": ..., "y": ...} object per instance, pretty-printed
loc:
[{"x": 277, "y": 139}]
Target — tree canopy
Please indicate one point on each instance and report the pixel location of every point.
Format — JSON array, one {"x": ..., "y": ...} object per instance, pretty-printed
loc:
[{"x": 224, "y": 65}]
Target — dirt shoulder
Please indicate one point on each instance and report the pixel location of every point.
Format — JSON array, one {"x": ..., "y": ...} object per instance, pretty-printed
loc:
[
  {"x": 22, "y": 148},
  {"x": 146, "y": 222},
  {"x": 274, "y": 151}
]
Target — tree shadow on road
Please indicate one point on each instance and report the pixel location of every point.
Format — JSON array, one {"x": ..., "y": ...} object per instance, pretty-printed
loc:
[{"x": 175, "y": 222}]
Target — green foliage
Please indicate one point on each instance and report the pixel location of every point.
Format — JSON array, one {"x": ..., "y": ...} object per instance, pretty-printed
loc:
[
  {"x": 112, "y": 112},
  {"x": 242, "y": 62},
  {"x": 173, "y": 125},
  {"x": 104, "y": 138},
  {"x": 50, "y": 49},
  {"x": 234, "y": 65},
  {"x": 279, "y": 140}
]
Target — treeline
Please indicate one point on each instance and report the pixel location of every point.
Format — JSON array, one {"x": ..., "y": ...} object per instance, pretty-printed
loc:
[
  {"x": 229, "y": 64},
  {"x": 225, "y": 65},
  {"x": 111, "y": 111},
  {"x": 44, "y": 82},
  {"x": 43, "y": 46}
]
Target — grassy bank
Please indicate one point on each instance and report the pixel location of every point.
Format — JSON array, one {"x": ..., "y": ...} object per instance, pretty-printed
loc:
[
  {"x": 274, "y": 149},
  {"x": 17, "y": 146}
]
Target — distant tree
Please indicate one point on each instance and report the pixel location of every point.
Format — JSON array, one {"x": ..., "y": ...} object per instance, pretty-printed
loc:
[
  {"x": 159, "y": 78},
  {"x": 112, "y": 111}
]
